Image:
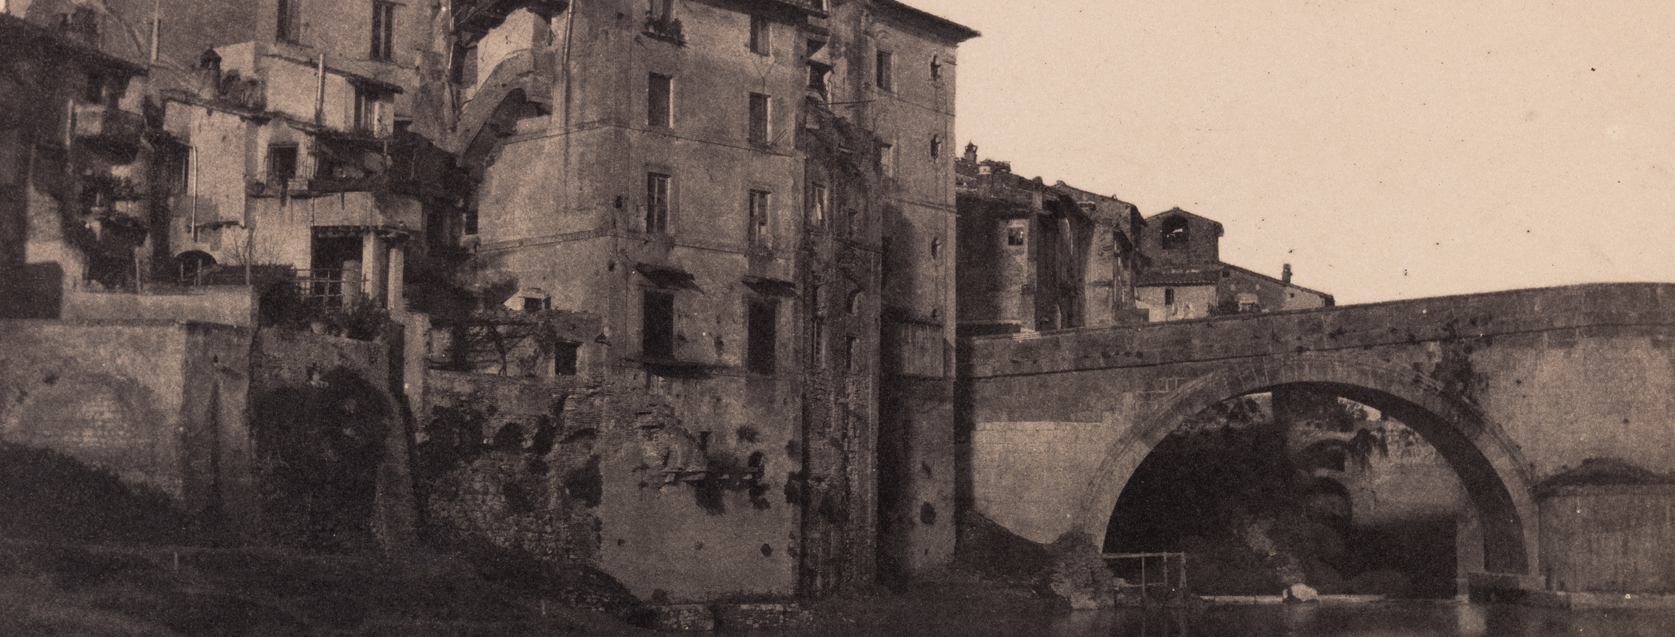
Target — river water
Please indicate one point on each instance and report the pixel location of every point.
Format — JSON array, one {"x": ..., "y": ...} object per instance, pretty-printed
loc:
[{"x": 1379, "y": 619}]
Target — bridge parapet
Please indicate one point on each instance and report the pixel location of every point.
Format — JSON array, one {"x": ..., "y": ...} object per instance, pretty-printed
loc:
[{"x": 1561, "y": 310}]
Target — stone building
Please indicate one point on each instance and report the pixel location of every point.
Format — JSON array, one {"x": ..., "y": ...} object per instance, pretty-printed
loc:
[
  {"x": 291, "y": 149},
  {"x": 1187, "y": 279},
  {"x": 74, "y": 170},
  {"x": 1040, "y": 257},
  {"x": 688, "y": 263},
  {"x": 753, "y": 198}
]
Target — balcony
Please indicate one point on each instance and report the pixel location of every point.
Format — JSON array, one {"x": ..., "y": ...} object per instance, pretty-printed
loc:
[
  {"x": 665, "y": 28},
  {"x": 108, "y": 125}
]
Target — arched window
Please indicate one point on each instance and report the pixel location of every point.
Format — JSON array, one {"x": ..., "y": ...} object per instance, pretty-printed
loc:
[
  {"x": 1175, "y": 233},
  {"x": 936, "y": 147},
  {"x": 193, "y": 265}
]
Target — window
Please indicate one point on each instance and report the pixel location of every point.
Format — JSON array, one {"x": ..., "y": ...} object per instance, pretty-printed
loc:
[
  {"x": 469, "y": 221},
  {"x": 657, "y": 324},
  {"x": 94, "y": 92},
  {"x": 885, "y": 79},
  {"x": 854, "y": 304},
  {"x": 282, "y": 162},
  {"x": 661, "y": 10},
  {"x": 819, "y": 344},
  {"x": 881, "y": 69},
  {"x": 290, "y": 21},
  {"x": 657, "y": 202},
  {"x": 660, "y": 100},
  {"x": 464, "y": 71},
  {"x": 936, "y": 147},
  {"x": 1168, "y": 296},
  {"x": 936, "y": 68},
  {"x": 936, "y": 247},
  {"x": 758, "y": 118},
  {"x": 383, "y": 30},
  {"x": 761, "y": 322},
  {"x": 564, "y": 358},
  {"x": 1015, "y": 236},
  {"x": 758, "y": 35},
  {"x": 850, "y": 353},
  {"x": 366, "y": 110},
  {"x": 759, "y": 207},
  {"x": 817, "y": 206},
  {"x": 887, "y": 159},
  {"x": 1176, "y": 235}
]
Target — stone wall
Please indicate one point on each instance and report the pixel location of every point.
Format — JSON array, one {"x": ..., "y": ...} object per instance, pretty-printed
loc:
[
  {"x": 225, "y": 305},
  {"x": 505, "y": 460},
  {"x": 610, "y": 474},
  {"x": 157, "y": 404},
  {"x": 1609, "y": 538},
  {"x": 330, "y": 443}
]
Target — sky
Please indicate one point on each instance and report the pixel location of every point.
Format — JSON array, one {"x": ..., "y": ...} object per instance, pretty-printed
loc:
[{"x": 1386, "y": 149}]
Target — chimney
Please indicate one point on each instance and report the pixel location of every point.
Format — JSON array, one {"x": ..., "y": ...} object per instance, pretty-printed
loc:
[
  {"x": 209, "y": 73},
  {"x": 81, "y": 25},
  {"x": 971, "y": 152},
  {"x": 1285, "y": 274}
]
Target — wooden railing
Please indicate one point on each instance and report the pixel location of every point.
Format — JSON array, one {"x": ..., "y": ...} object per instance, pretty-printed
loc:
[
  {"x": 1169, "y": 570},
  {"x": 328, "y": 287}
]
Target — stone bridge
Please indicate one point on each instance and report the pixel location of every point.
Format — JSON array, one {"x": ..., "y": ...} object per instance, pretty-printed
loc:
[{"x": 1512, "y": 388}]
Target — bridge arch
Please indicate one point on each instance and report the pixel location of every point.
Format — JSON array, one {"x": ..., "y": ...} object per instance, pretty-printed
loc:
[{"x": 1488, "y": 462}]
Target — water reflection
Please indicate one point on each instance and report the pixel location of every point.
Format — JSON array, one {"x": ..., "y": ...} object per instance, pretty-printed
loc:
[
  {"x": 1392, "y": 619},
  {"x": 1383, "y": 619}
]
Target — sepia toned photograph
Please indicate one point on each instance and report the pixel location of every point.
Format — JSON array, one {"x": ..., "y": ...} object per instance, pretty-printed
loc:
[{"x": 473, "y": 318}]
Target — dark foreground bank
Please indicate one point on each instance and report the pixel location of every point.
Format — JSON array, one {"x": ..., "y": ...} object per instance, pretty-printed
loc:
[{"x": 55, "y": 589}]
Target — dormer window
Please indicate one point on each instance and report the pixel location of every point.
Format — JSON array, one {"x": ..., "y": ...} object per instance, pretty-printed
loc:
[{"x": 1175, "y": 233}]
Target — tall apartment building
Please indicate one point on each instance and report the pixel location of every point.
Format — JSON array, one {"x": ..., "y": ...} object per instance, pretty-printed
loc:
[{"x": 755, "y": 198}]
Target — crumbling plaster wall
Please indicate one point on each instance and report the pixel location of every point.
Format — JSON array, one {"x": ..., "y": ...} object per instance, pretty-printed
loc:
[{"x": 606, "y": 473}]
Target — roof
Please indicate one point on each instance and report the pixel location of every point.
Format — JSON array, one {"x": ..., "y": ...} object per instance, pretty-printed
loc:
[
  {"x": 1208, "y": 275},
  {"x": 1269, "y": 279},
  {"x": 935, "y": 24},
  {"x": 356, "y": 78},
  {"x": 1179, "y": 277},
  {"x": 1177, "y": 212},
  {"x": 18, "y": 36}
]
